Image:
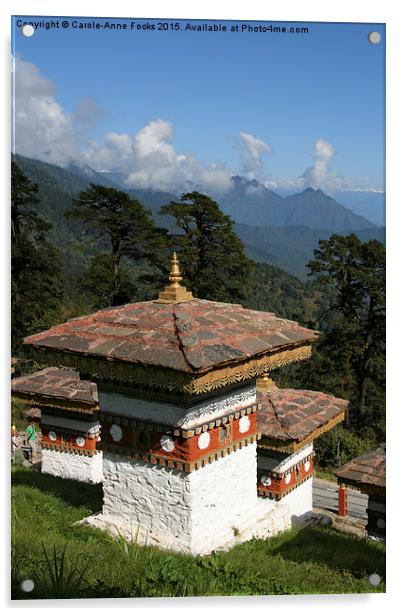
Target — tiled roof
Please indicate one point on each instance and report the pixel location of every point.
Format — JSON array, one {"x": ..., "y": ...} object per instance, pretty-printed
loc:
[
  {"x": 189, "y": 337},
  {"x": 294, "y": 415},
  {"x": 56, "y": 387},
  {"x": 366, "y": 470}
]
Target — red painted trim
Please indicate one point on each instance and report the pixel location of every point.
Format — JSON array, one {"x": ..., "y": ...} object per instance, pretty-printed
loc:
[
  {"x": 186, "y": 449},
  {"x": 69, "y": 441},
  {"x": 279, "y": 485}
]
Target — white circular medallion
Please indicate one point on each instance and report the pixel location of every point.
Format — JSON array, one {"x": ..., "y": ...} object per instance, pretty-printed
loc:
[
  {"x": 288, "y": 477},
  {"x": 167, "y": 443},
  {"x": 203, "y": 440},
  {"x": 116, "y": 432},
  {"x": 244, "y": 424},
  {"x": 307, "y": 466},
  {"x": 52, "y": 435},
  {"x": 266, "y": 481},
  {"x": 80, "y": 441}
]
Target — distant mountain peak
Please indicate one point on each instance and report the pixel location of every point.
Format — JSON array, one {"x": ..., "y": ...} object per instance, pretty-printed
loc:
[
  {"x": 250, "y": 202},
  {"x": 310, "y": 190}
]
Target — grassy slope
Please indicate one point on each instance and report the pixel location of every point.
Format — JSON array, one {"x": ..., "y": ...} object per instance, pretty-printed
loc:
[
  {"x": 328, "y": 475},
  {"x": 310, "y": 560}
]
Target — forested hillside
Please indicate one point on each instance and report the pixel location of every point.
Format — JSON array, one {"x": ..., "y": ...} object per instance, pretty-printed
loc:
[
  {"x": 290, "y": 248},
  {"x": 285, "y": 243}
]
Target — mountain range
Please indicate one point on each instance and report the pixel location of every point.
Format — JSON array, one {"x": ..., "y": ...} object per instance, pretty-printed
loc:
[
  {"x": 280, "y": 230},
  {"x": 249, "y": 202}
]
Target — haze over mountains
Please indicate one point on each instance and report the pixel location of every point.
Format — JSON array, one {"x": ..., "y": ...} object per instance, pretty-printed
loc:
[
  {"x": 280, "y": 230},
  {"x": 249, "y": 202}
]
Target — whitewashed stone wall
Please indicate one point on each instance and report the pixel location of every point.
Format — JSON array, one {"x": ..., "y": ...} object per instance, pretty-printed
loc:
[
  {"x": 300, "y": 501},
  {"x": 148, "y": 502},
  {"x": 211, "y": 508},
  {"x": 224, "y": 498},
  {"x": 87, "y": 469},
  {"x": 166, "y": 413}
]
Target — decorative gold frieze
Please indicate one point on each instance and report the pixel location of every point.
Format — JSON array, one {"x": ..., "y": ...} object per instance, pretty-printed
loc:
[
  {"x": 157, "y": 378},
  {"x": 251, "y": 368},
  {"x": 46, "y": 401}
]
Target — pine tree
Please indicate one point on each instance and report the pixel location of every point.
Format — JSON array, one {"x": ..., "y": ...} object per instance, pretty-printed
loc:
[
  {"x": 36, "y": 281},
  {"x": 211, "y": 254},
  {"x": 355, "y": 270},
  {"x": 128, "y": 232}
]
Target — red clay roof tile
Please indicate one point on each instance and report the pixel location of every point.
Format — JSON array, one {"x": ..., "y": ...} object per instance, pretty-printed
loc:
[
  {"x": 57, "y": 386},
  {"x": 190, "y": 337},
  {"x": 368, "y": 469},
  {"x": 293, "y": 414}
]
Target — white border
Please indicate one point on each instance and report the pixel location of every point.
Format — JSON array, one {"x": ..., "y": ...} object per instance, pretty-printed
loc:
[{"x": 292, "y": 10}]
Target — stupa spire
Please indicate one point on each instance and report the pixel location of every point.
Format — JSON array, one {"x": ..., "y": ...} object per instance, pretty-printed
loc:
[
  {"x": 174, "y": 293},
  {"x": 265, "y": 383}
]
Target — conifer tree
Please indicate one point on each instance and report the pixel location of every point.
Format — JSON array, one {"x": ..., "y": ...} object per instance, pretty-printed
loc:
[
  {"x": 128, "y": 232},
  {"x": 355, "y": 270},
  {"x": 211, "y": 254},
  {"x": 36, "y": 279}
]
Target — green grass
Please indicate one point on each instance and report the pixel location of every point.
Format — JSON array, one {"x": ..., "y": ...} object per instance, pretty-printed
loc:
[
  {"x": 73, "y": 561},
  {"x": 328, "y": 475}
]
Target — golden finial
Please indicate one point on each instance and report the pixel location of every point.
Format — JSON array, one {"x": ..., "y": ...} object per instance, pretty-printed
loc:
[
  {"x": 174, "y": 293},
  {"x": 175, "y": 273},
  {"x": 264, "y": 383}
]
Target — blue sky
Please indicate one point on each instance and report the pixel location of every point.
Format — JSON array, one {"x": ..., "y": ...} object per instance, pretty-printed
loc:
[{"x": 170, "y": 107}]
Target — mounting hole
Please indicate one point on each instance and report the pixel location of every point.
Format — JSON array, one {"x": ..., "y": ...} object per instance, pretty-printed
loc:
[
  {"x": 28, "y": 30},
  {"x": 27, "y": 585},
  {"x": 374, "y": 579},
  {"x": 374, "y": 37}
]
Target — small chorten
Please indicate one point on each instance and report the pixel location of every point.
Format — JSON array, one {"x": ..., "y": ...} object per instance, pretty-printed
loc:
[
  {"x": 174, "y": 293},
  {"x": 367, "y": 473},
  {"x": 67, "y": 410},
  {"x": 289, "y": 420}
]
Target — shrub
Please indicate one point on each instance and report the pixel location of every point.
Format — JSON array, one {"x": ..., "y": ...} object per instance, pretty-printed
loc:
[{"x": 338, "y": 446}]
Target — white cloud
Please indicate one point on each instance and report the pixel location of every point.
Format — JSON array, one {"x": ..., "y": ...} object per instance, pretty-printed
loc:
[
  {"x": 253, "y": 149},
  {"x": 321, "y": 174},
  {"x": 86, "y": 115},
  {"x": 366, "y": 190},
  {"x": 42, "y": 129},
  {"x": 150, "y": 161}
]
